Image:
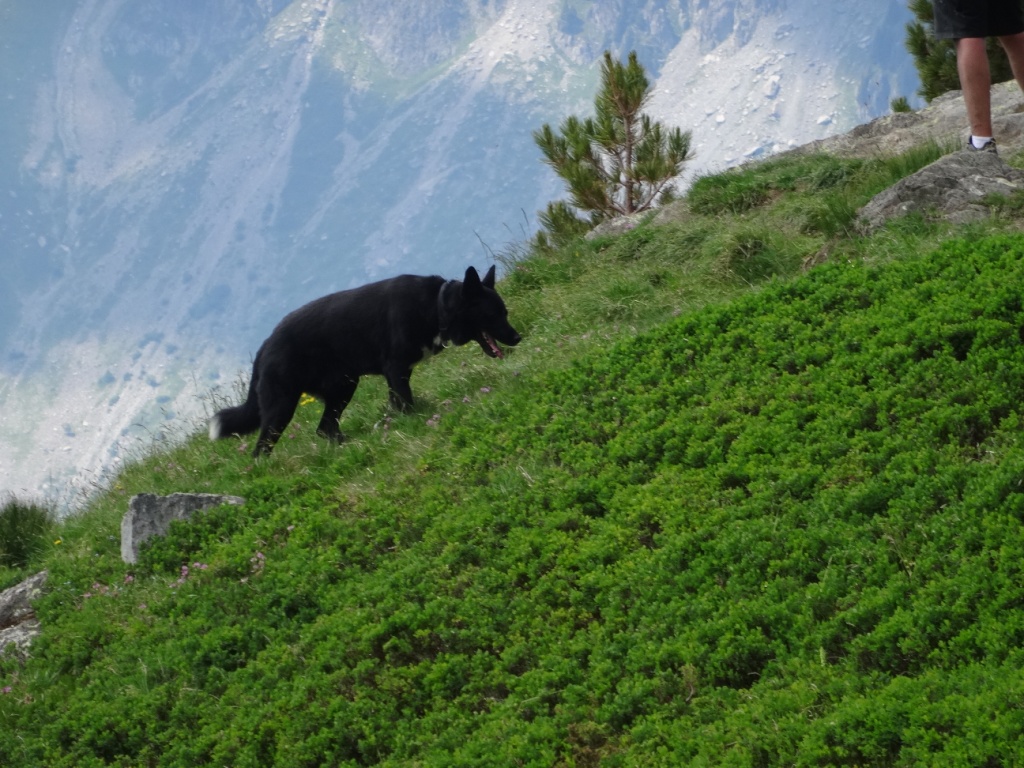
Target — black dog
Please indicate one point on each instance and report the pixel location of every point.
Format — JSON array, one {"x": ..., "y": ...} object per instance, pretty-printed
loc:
[{"x": 383, "y": 328}]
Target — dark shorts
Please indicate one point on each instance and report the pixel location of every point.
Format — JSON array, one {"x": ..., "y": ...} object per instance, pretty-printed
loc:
[{"x": 977, "y": 18}]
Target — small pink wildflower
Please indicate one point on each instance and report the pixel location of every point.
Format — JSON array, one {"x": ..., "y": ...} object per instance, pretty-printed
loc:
[
  {"x": 182, "y": 578},
  {"x": 258, "y": 561}
]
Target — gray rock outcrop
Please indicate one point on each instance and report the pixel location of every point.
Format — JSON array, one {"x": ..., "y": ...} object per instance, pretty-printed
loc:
[
  {"x": 944, "y": 120},
  {"x": 619, "y": 225},
  {"x": 953, "y": 187},
  {"x": 18, "y": 622},
  {"x": 151, "y": 515}
]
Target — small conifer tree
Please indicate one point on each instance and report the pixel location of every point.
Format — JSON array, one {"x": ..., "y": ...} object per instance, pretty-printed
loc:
[
  {"x": 618, "y": 162},
  {"x": 936, "y": 59}
]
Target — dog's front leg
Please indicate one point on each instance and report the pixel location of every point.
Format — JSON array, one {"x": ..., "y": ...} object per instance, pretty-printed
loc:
[{"x": 399, "y": 391}]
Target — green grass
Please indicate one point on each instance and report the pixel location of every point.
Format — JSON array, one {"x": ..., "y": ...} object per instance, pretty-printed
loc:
[
  {"x": 716, "y": 509},
  {"x": 25, "y": 531},
  {"x": 807, "y": 179}
]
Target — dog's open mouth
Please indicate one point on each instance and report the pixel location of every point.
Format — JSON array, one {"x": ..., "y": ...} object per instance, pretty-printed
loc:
[{"x": 491, "y": 346}]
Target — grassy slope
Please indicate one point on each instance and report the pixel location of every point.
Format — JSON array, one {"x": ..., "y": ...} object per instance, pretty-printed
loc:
[{"x": 711, "y": 512}]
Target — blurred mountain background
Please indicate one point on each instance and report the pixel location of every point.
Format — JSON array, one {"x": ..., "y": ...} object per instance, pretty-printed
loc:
[{"x": 175, "y": 177}]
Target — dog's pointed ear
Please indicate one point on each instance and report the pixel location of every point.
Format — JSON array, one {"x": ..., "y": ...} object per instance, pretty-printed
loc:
[
  {"x": 488, "y": 281},
  {"x": 471, "y": 283}
]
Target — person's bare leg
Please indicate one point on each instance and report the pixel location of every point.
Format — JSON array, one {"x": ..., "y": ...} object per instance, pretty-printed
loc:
[
  {"x": 975, "y": 80},
  {"x": 1014, "y": 47}
]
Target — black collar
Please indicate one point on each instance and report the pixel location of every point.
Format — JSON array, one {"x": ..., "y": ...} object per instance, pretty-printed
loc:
[{"x": 443, "y": 315}]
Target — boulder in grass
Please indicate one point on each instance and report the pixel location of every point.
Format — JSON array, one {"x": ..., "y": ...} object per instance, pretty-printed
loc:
[
  {"x": 151, "y": 515},
  {"x": 18, "y": 622},
  {"x": 955, "y": 188}
]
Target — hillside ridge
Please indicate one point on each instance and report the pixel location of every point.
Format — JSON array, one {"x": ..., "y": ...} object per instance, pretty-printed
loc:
[{"x": 714, "y": 509}]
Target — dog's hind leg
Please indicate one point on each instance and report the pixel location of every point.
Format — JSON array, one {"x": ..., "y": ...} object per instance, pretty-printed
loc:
[
  {"x": 277, "y": 407},
  {"x": 333, "y": 406},
  {"x": 399, "y": 391},
  {"x": 273, "y": 427}
]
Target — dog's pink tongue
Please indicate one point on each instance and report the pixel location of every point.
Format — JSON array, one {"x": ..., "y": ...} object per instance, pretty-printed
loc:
[{"x": 494, "y": 347}]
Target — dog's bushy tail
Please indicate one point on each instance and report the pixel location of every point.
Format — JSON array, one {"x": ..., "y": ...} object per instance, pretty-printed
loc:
[{"x": 240, "y": 419}]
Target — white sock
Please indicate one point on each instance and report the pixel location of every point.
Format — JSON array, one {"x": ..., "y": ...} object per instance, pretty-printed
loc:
[{"x": 980, "y": 141}]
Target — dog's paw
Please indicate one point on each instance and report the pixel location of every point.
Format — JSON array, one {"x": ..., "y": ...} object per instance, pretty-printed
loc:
[{"x": 334, "y": 436}]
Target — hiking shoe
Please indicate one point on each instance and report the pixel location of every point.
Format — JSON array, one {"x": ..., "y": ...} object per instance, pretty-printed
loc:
[{"x": 988, "y": 146}]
